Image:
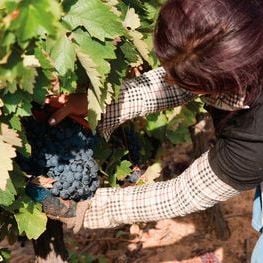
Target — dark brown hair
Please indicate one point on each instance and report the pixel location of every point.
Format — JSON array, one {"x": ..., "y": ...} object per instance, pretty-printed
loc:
[{"x": 212, "y": 46}]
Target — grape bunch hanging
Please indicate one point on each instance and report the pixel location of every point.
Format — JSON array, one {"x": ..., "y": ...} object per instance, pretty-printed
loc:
[{"x": 63, "y": 153}]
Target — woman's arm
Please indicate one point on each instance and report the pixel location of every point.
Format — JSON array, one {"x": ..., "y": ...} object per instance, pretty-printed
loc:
[
  {"x": 195, "y": 189},
  {"x": 231, "y": 166},
  {"x": 140, "y": 96}
]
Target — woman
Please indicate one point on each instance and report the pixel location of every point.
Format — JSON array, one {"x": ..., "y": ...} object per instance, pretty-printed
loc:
[{"x": 211, "y": 48}]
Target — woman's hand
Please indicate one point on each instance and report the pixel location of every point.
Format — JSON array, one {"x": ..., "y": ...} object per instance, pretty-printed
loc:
[{"x": 72, "y": 104}]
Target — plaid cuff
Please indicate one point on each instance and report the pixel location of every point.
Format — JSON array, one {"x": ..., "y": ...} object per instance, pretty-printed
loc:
[
  {"x": 226, "y": 102},
  {"x": 195, "y": 189},
  {"x": 140, "y": 96}
]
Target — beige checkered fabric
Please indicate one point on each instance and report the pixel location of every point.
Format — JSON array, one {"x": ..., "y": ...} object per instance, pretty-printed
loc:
[
  {"x": 195, "y": 189},
  {"x": 150, "y": 93}
]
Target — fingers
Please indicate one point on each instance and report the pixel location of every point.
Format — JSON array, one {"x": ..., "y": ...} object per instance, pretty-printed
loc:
[
  {"x": 59, "y": 115},
  {"x": 57, "y": 101}
]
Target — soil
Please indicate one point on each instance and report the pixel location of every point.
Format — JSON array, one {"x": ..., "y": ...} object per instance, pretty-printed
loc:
[{"x": 189, "y": 239}]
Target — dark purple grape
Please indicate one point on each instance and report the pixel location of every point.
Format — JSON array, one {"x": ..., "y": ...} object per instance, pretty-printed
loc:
[
  {"x": 134, "y": 176},
  {"x": 63, "y": 152}
]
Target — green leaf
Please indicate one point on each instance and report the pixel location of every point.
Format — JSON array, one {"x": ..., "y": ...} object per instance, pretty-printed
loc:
[
  {"x": 102, "y": 150},
  {"x": 7, "y": 152},
  {"x": 96, "y": 17},
  {"x": 180, "y": 135},
  {"x": 68, "y": 82},
  {"x": 19, "y": 103},
  {"x": 132, "y": 20},
  {"x": 98, "y": 51},
  {"x": 5, "y": 255},
  {"x": 7, "y": 197},
  {"x": 177, "y": 129},
  {"x": 41, "y": 88},
  {"x": 15, "y": 123},
  {"x": 129, "y": 53},
  {"x": 31, "y": 220},
  {"x": 28, "y": 79},
  {"x": 43, "y": 57},
  {"x": 152, "y": 172},
  {"x": 140, "y": 44},
  {"x": 95, "y": 108},
  {"x": 123, "y": 170},
  {"x": 156, "y": 125},
  {"x": 64, "y": 55},
  {"x": 24, "y": 108},
  {"x": 91, "y": 69},
  {"x": 35, "y": 19}
]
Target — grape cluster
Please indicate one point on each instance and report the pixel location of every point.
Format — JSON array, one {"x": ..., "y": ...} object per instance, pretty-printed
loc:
[
  {"x": 64, "y": 153},
  {"x": 134, "y": 176},
  {"x": 133, "y": 146}
]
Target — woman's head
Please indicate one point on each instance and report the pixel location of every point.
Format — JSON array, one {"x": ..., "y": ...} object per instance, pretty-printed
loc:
[{"x": 211, "y": 46}]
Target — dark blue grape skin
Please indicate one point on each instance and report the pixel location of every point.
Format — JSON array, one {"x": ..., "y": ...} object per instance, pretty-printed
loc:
[
  {"x": 78, "y": 176},
  {"x": 58, "y": 185},
  {"x": 134, "y": 176},
  {"x": 63, "y": 152},
  {"x": 55, "y": 191}
]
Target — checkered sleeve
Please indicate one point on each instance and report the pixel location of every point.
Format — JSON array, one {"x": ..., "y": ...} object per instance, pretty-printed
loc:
[
  {"x": 197, "y": 188},
  {"x": 140, "y": 96}
]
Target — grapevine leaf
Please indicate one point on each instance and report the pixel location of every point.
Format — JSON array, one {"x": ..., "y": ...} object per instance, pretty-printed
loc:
[
  {"x": 112, "y": 4},
  {"x": 31, "y": 220},
  {"x": 35, "y": 18},
  {"x": 101, "y": 151},
  {"x": 132, "y": 20},
  {"x": 41, "y": 87},
  {"x": 157, "y": 125},
  {"x": 95, "y": 109},
  {"x": 94, "y": 92},
  {"x": 7, "y": 197},
  {"x": 43, "y": 57},
  {"x": 156, "y": 121},
  {"x": 90, "y": 68},
  {"x": 177, "y": 129},
  {"x": 68, "y": 82},
  {"x": 180, "y": 135},
  {"x": 15, "y": 123},
  {"x": 123, "y": 170},
  {"x": 24, "y": 109},
  {"x": 28, "y": 79},
  {"x": 7, "y": 152},
  {"x": 5, "y": 255},
  {"x": 99, "y": 52},
  {"x": 10, "y": 136},
  {"x": 64, "y": 55},
  {"x": 152, "y": 11},
  {"x": 139, "y": 43},
  {"x": 19, "y": 103},
  {"x": 30, "y": 61},
  {"x": 136, "y": 4},
  {"x": 151, "y": 173},
  {"x": 128, "y": 51},
  {"x": 96, "y": 17}
]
